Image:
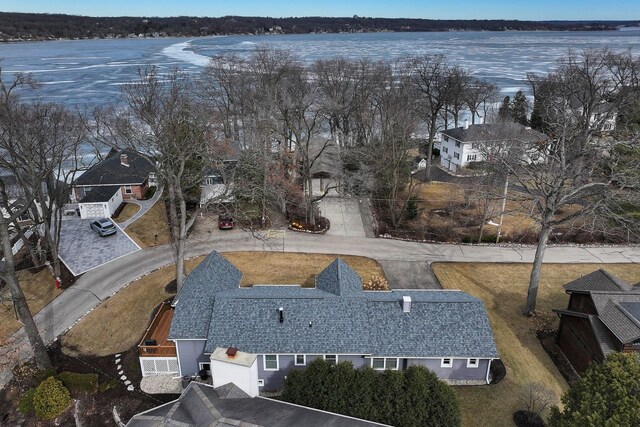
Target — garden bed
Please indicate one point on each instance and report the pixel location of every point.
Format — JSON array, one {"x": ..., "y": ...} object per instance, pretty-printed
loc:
[
  {"x": 321, "y": 226},
  {"x": 93, "y": 408}
]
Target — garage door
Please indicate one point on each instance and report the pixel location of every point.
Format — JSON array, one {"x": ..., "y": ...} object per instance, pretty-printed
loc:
[{"x": 94, "y": 210}]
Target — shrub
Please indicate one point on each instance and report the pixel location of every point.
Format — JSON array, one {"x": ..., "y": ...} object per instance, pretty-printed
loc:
[
  {"x": 412, "y": 208},
  {"x": 376, "y": 283},
  {"x": 411, "y": 397},
  {"x": 50, "y": 398},
  {"x": 102, "y": 387},
  {"x": 25, "y": 404},
  {"x": 150, "y": 192},
  {"x": 43, "y": 374},
  {"x": 79, "y": 383}
]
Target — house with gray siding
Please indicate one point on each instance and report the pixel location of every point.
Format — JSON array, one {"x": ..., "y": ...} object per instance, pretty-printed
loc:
[{"x": 286, "y": 327}]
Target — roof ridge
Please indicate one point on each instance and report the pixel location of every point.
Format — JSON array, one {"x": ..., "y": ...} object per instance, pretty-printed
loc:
[{"x": 626, "y": 313}]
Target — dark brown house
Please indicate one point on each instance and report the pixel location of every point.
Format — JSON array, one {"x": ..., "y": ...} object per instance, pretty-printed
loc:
[{"x": 603, "y": 316}]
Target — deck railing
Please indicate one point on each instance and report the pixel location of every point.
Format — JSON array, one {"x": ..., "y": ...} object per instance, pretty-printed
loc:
[{"x": 157, "y": 350}]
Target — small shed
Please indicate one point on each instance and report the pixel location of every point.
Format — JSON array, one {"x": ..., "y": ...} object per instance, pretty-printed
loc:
[{"x": 100, "y": 202}]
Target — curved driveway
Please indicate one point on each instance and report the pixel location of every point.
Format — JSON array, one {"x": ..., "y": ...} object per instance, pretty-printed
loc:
[{"x": 102, "y": 282}]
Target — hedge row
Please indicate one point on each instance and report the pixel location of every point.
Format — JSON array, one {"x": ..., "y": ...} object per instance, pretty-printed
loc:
[{"x": 411, "y": 397}]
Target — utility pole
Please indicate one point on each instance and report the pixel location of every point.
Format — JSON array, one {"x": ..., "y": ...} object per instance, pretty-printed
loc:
[{"x": 504, "y": 205}]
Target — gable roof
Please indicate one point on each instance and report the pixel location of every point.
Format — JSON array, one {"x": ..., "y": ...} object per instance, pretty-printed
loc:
[
  {"x": 599, "y": 280},
  {"x": 111, "y": 171},
  {"x": 495, "y": 132},
  {"x": 195, "y": 300},
  {"x": 615, "y": 316},
  {"x": 339, "y": 279},
  {"x": 335, "y": 317},
  {"x": 202, "y": 405},
  {"x": 100, "y": 194}
]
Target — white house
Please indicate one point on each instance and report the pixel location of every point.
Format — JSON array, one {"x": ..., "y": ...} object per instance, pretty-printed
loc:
[{"x": 469, "y": 143}]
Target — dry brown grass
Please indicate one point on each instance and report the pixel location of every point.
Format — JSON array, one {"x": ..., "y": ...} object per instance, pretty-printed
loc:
[
  {"x": 503, "y": 288},
  {"x": 125, "y": 317},
  {"x": 294, "y": 268},
  {"x": 129, "y": 210},
  {"x": 451, "y": 196},
  {"x": 152, "y": 228},
  {"x": 39, "y": 289}
]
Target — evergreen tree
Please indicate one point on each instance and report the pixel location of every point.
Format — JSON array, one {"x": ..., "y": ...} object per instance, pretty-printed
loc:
[
  {"x": 504, "y": 112},
  {"x": 607, "y": 395},
  {"x": 519, "y": 108}
]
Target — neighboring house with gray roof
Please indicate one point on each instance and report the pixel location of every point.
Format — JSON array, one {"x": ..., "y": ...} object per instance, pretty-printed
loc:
[
  {"x": 127, "y": 169},
  {"x": 603, "y": 316},
  {"x": 468, "y": 144},
  {"x": 227, "y": 405},
  {"x": 287, "y": 326}
]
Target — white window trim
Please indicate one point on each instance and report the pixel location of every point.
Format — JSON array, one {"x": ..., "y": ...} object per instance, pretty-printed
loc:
[
  {"x": 324, "y": 356},
  {"x": 264, "y": 362},
  {"x": 260, "y": 383},
  {"x": 304, "y": 360},
  {"x": 397, "y": 359},
  {"x": 128, "y": 189},
  {"x": 446, "y": 365},
  {"x": 384, "y": 363},
  {"x": 471, "y": 365}
]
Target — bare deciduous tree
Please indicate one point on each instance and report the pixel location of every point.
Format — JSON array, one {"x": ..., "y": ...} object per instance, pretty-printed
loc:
[
  {"x": 574, "y": 102},
  {"x": 164, "y": 123}
]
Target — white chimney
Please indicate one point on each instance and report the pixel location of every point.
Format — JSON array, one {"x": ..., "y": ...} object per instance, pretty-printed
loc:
[
  {"x": 124, "y": 161},
  {"x": 466, "y": 123},
  {"x": 406, "y": 304}
]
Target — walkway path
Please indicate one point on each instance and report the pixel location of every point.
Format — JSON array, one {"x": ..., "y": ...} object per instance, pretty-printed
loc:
[
  {"x": 100, "y": 283},
  {"x": 145, "y": 205}
]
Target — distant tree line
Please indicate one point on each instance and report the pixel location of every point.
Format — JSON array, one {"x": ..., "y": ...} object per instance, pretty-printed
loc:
[{"x": 33, "y": 26}]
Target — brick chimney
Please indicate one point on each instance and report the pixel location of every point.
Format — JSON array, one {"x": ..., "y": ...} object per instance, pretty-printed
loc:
[{"x": 124, "y": 161}]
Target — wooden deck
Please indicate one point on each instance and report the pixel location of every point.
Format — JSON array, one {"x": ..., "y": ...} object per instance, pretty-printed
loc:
[{"x": 159, "y": 331}]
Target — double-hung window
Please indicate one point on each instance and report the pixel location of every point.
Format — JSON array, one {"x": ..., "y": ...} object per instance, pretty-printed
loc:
[
  {"x": 271, "y": 362},
  {"x": 382, "y": 363},
  {"x": 331, "y": 359},
  {"x": 456, "y": 155},
  {"x": 300, "y": 360}
]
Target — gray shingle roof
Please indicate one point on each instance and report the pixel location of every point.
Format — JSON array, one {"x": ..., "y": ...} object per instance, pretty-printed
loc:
[
  {"x": 495, "y": 132},
  {"x": 339, "y": 279},
  {"x": 344, "y": 319},
  {"x": 202, "y": 405},
  {"x": 100, "y": 194},
  {"x": 111, "y": 172},
  {"x": 599, "y": 280},
  {"x": 614, "y": 316},
  {"x": 195, "y": 300}
]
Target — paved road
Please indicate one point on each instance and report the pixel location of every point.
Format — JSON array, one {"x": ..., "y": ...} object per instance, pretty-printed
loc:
[{"x": 102, "y": 282}]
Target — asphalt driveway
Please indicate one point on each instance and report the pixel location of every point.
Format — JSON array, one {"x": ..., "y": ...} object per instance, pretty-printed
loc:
[{"x": 82, "y": 249}]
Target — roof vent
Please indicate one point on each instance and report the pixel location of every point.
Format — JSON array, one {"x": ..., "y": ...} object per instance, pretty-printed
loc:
[
  {"x": 406, "y": 304},
  {"x": 231, "y": 352},
  {"x": 124, "y": 161},
  {"x": 281, "y": 311}
]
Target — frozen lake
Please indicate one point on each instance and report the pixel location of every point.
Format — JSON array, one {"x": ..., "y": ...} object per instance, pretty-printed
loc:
[{"x": 85, "y": 72}]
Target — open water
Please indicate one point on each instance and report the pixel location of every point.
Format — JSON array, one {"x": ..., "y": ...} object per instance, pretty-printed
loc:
[{"x": 91, "y": 72}]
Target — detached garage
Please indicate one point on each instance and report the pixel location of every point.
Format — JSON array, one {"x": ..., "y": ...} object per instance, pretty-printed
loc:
[{"x": 100, "y": 202}]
